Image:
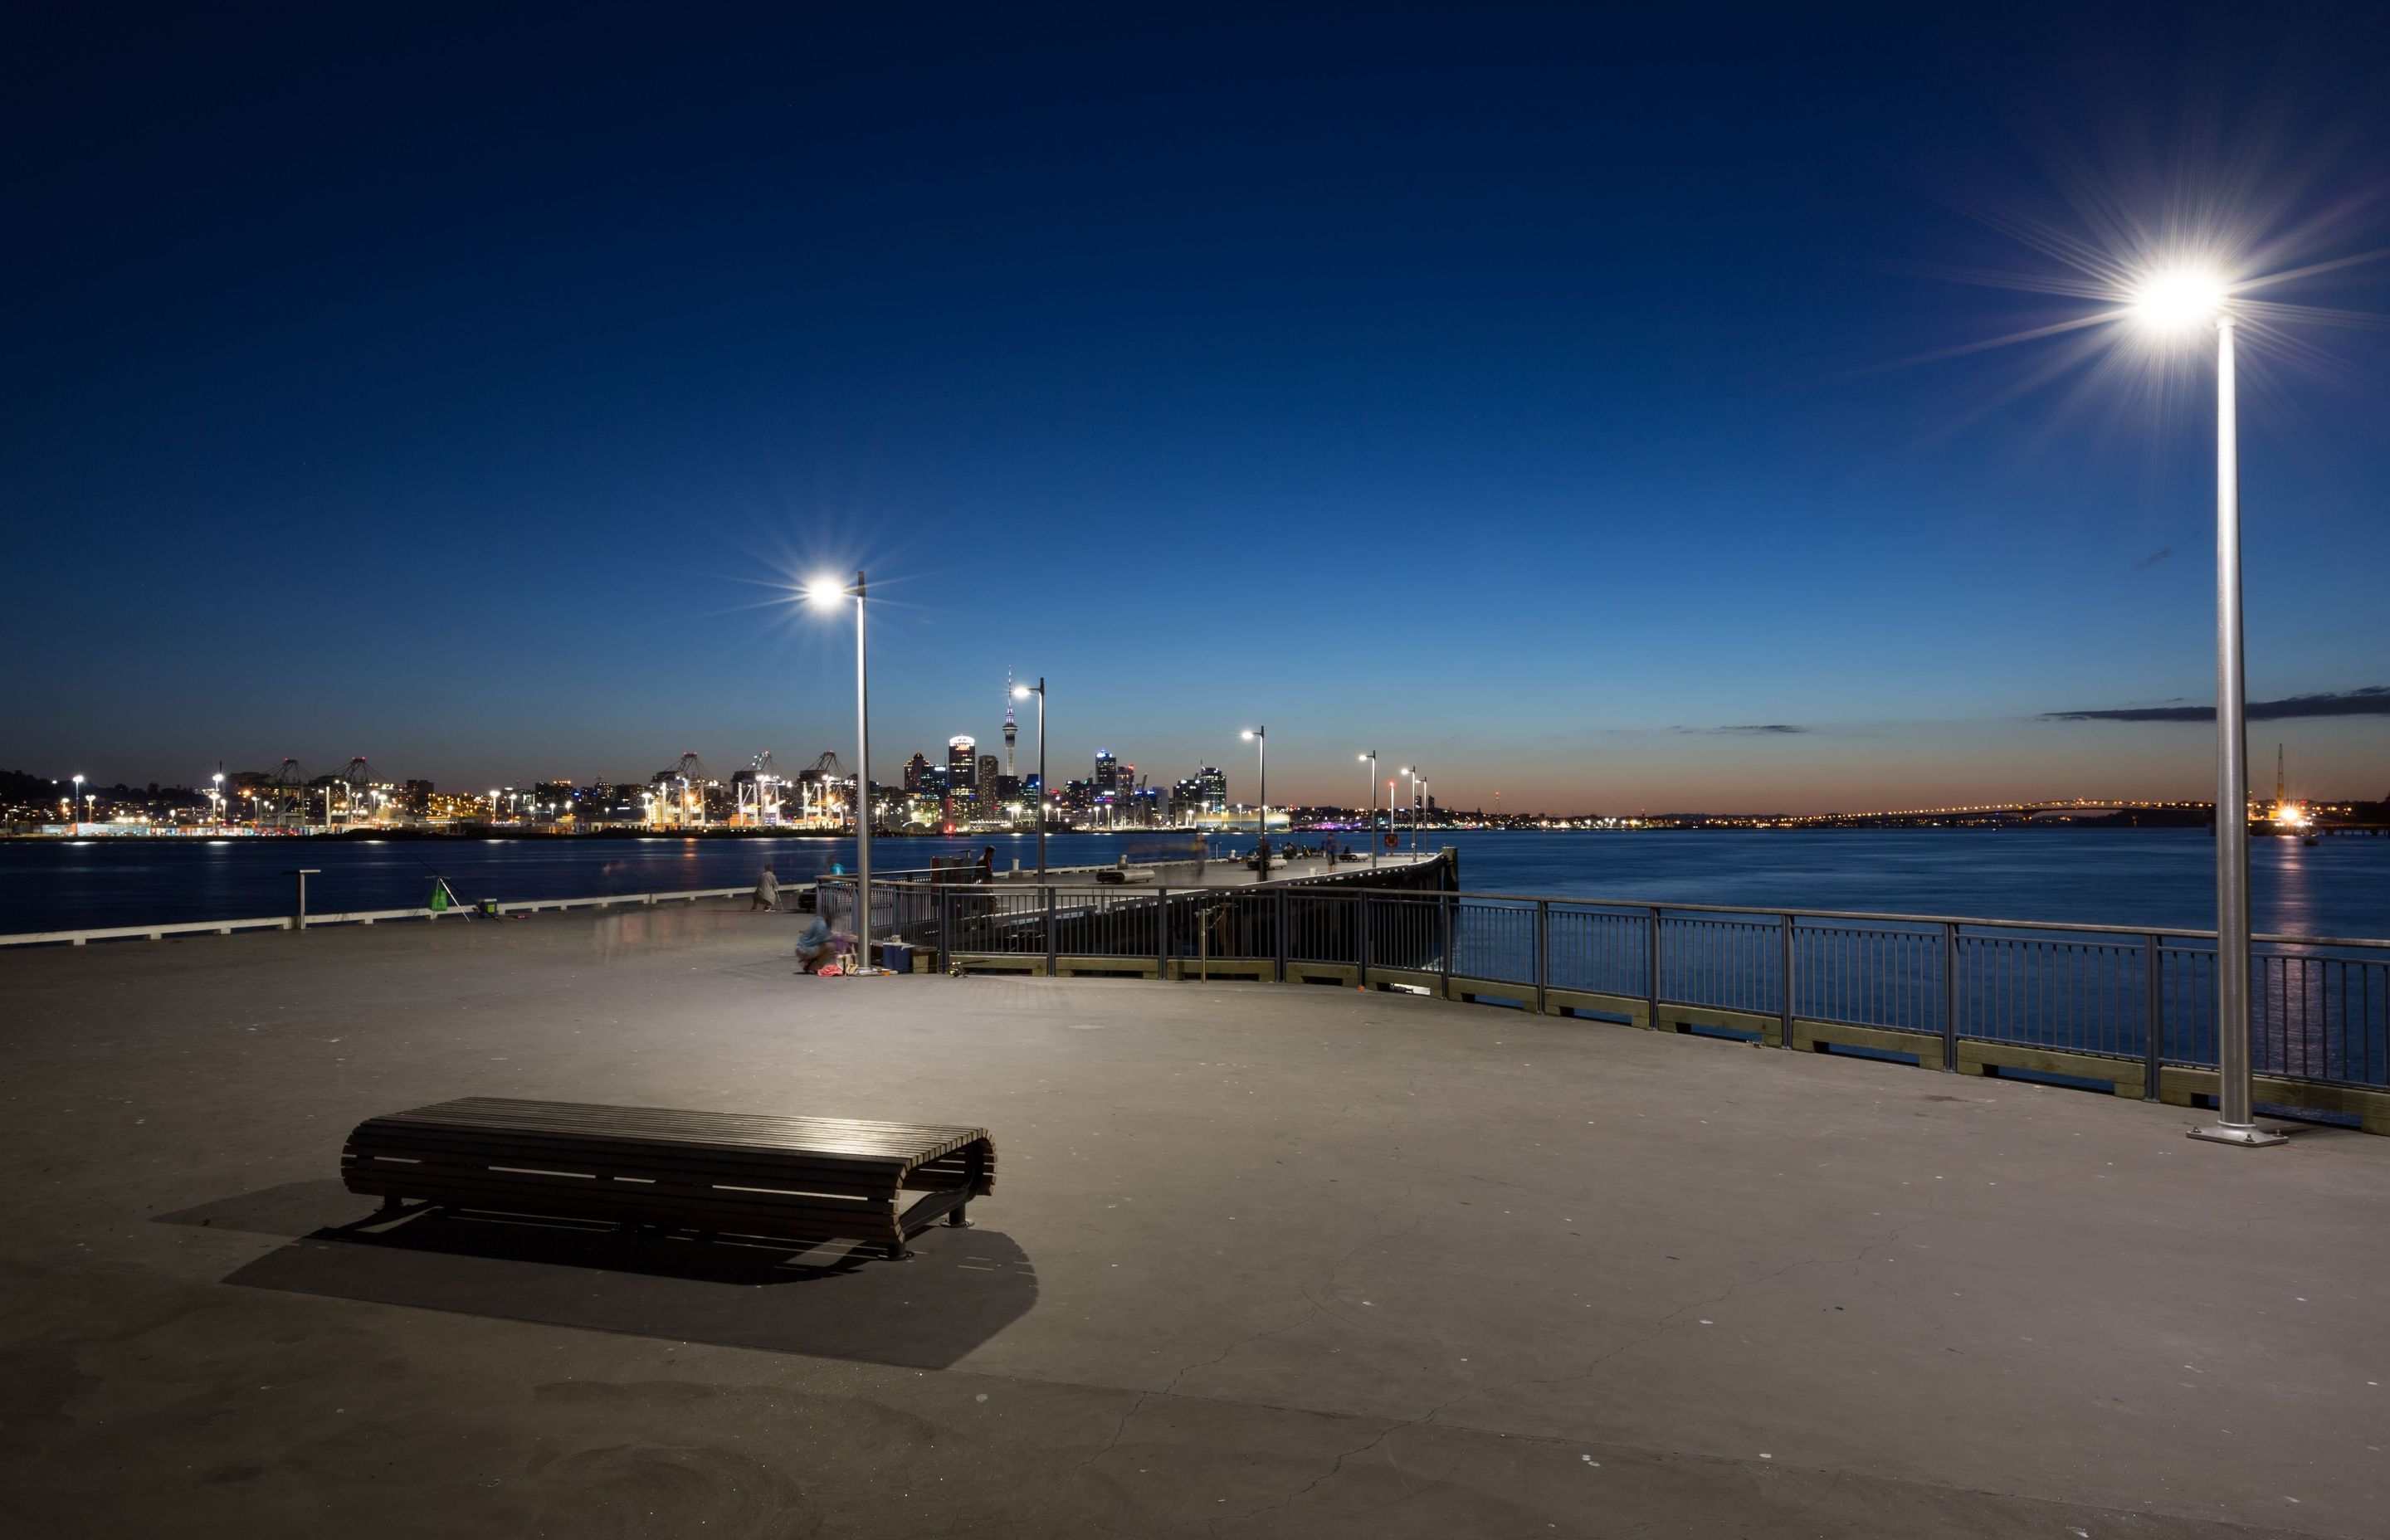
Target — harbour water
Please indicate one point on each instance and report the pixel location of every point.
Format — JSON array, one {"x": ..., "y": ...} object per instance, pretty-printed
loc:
[{"x": 2157, "y": 878}]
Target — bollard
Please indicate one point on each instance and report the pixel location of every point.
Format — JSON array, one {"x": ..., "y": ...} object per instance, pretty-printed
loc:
[{"x": 302, "y": 874}]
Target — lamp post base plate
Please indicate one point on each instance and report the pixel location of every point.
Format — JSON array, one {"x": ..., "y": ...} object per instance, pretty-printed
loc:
[{"x": 2245, "y": 1133}]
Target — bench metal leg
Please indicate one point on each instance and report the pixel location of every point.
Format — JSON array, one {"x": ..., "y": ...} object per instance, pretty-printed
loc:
[
  {"x": 930, "y": 1210},
  {"x": 974, "y": 1174}
]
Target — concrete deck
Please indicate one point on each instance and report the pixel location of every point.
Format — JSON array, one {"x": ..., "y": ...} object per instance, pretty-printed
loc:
[{"x": 1262, "y": 1261}]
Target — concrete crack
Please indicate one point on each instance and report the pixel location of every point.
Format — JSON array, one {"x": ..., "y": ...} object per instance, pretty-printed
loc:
[{"x": 1309, "y": 1310}]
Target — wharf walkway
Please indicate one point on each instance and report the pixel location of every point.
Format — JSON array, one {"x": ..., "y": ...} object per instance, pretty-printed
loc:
[
  {"x": 1265, "y": 1261},
  {"x": 1233, "y": 871}
]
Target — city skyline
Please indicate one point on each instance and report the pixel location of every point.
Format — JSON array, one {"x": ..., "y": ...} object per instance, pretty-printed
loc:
[
  {"x": 1601, "y": 428},
  {"x": 2296, "y": 728},
  {"x": 917, "y": 771}
]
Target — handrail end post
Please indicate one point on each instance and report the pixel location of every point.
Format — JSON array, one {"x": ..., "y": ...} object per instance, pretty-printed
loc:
[{"x": 1949, "y": 997}]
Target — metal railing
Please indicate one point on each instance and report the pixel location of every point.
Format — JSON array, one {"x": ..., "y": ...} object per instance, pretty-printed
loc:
[
  {"x": 310, "y": 919},
  {"x": 2136, "y": 999}
]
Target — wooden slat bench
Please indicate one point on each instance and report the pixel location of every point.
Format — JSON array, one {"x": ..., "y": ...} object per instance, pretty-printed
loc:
[{"x": 809, "y": 1179}]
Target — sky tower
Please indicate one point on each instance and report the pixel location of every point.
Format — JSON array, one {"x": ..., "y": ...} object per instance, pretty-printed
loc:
[{"x": 1012, "y": 729}]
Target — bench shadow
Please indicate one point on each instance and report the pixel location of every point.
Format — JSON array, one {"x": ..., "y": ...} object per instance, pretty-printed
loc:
[{"x": 960, "y": 1288}]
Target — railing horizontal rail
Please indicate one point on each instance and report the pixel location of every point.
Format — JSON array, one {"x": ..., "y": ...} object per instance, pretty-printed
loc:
[
  {"x": 354, "y": 916},
  {"x": 1640, "y": 905}
]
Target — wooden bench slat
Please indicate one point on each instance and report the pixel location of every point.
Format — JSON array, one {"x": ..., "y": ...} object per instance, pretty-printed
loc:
[
  {"x": 814, "y": 1133},
  {"x": 753, "y": 1212},
  {"x": 434, "y": 1163},
  {"x": 585, "y": 1154},
  {"x": 933, "y": 1144}
]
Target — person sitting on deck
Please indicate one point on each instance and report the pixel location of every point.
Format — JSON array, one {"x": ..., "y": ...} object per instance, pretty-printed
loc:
[{"x": 815, "y": 946}]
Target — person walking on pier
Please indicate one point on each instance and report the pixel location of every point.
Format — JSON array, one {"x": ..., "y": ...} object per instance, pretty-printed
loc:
[{"x": 768, "y": 891}]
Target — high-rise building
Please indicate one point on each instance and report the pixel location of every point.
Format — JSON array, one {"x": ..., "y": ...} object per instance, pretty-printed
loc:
[
  {"x": 962, "y": 774},
  {"x": 987, "y": 789},
  {"x": 1107, "y": 771},
  {"x": 917, "y": 774},
  {"x": 1011, "y": 729}
]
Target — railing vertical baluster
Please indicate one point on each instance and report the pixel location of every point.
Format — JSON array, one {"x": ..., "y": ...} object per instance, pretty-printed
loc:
[
  {"x": 1446, "y": 904},
  {"x": 1949, "y": 998},
  {"x": 1362, "y": 912},
  {"x": 1543, "y": 950},
  {"x": 1160, "y": 932},
  {"x": 1652, "y": 1004},
  {"x": 945, "y": 928},
  {"x": 2154, "y": 1014},
  {"x": 1279, "y": 920},
  {"x": 1784, "y": 1028},
  {"x": 1049, "y": 932}
]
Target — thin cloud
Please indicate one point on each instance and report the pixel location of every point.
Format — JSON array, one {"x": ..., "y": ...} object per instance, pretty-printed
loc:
[
  {"x": 1752, "y": 727},
  {"x": 2152, "y": 558},
  {"x": 2372, "y": 700}
]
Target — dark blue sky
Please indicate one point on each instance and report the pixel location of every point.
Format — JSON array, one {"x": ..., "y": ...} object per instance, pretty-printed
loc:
[{"x": 1526, "y": 393}]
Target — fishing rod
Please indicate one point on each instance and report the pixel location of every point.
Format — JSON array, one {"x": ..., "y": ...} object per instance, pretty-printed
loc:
[{"x": 440, "y": 887}]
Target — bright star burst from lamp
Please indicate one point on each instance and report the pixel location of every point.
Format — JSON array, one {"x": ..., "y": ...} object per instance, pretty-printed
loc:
[
  {"x": 2146, "y": 265},
  {"x": 2181, "y": 298}
]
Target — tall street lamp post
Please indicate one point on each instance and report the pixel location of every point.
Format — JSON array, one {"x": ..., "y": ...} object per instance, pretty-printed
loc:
[
  {"x": 1023, "y": 692},
  {"x": 1370, "y": 823},
  {"x": 1260, "y": 736},
  {"x": 74, "y": 807},
  {"x": 827, "y": 591},
  {"x": 2181, "y": 301}
]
